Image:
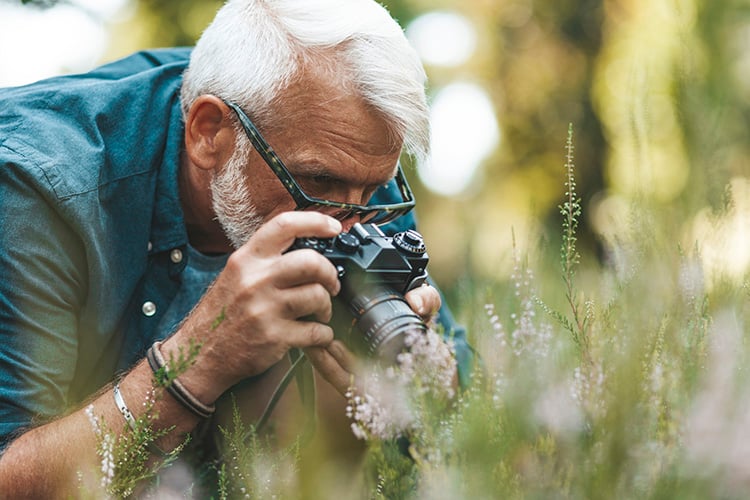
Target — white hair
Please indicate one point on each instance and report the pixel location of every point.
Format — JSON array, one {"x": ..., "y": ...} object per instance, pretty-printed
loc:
[{"x": 255, "y": 48}]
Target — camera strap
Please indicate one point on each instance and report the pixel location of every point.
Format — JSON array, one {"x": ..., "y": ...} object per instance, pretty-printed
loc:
[
  {"x": 305, "y": 378},
  {"x": 302, "y": 371}
]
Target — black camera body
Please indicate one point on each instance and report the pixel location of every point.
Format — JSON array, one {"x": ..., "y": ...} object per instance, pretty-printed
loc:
[{"x": 370, "y": 314}]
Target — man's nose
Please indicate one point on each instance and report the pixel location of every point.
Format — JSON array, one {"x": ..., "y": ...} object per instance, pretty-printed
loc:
[
  {"x": 354, "y": 196},
  {"x": 350, "y": 221}
]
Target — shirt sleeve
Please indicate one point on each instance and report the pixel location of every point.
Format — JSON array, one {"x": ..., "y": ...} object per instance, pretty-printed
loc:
[{"x": 42, "y": 287}]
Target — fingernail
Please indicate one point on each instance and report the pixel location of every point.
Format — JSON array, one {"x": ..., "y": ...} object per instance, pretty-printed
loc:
[
  {"x": 418, "y": 305},
  {"x": 334, "y": 224}
]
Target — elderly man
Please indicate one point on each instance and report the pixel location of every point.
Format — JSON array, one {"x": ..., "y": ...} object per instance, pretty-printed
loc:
[{"x": 143, "y": 212}]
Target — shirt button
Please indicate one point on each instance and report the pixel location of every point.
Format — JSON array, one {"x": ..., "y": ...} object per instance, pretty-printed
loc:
[
  {"x": 150, "y": 246},
  {"x": 149, "y": 308},
  {"x": 176, "y": 255}
]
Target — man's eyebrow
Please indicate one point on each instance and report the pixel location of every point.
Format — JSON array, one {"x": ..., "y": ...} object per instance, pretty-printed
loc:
[
  {"x": 313, "y": 169},
  {"x": 318, "y": 170}
]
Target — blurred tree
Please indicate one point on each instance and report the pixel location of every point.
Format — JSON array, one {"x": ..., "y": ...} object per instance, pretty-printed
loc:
[
  {"x": 672, "y": 90},
  {"x": 546, "y": 54},
  {"x": 713, "y": 95},
  {"x": 178, "y": 23}
]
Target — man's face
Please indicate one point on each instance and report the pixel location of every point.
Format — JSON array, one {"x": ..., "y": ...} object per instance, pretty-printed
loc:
[{"x": 335, "y": 146}]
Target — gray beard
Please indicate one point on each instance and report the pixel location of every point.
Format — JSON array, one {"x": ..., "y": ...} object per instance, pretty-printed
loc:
[{"x": 231, "y": 199}]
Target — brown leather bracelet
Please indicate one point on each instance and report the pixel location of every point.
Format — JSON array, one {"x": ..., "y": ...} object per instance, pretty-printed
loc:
[{"x": 176, "y": 389}]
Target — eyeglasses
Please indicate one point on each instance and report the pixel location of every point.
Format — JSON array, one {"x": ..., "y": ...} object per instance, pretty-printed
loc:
[{"x": 375, "y": 214}]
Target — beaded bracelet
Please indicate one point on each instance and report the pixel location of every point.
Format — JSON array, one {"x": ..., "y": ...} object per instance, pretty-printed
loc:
[{"x": 175, "y": 388}]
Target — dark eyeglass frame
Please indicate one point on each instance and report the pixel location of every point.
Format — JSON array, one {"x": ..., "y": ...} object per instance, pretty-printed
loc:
[{"x": 376, "y": 214}]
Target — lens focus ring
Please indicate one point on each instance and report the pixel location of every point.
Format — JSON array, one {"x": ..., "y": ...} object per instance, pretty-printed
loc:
[{"x": 384, "y": 320}]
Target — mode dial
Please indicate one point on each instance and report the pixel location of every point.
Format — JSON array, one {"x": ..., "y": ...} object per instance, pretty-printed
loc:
[{"x": 410, "y": 241}]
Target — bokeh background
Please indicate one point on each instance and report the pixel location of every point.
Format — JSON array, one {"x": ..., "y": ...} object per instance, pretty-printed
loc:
[{"x": 657, "y": 92}]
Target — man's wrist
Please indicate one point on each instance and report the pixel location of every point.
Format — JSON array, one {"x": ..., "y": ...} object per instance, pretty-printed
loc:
[
  {"x": 131, "y": 420},
  {"x": 173, "y": 385}
]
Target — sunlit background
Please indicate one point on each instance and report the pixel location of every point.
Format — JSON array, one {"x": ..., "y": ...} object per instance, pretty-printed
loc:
[{"x": 657, "y": 91}]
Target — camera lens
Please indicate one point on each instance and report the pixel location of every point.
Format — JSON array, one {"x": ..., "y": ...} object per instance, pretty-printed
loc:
[{"x": 384, "y": 318}]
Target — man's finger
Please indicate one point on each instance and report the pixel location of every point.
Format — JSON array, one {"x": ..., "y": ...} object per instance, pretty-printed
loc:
[
  {"x": 343, "y": 356},
  {"x": 276, "y": 235},
  {"x": 305, "y": 266},
  {"x": 329, "y": 368},
  {"x": 304, "y": 334},
  {"x": 305, "y": 300},
  {"x": 425, "y": 301}
]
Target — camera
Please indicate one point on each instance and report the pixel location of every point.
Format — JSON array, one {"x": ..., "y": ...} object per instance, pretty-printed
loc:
[{"x": 370, "y": 314}]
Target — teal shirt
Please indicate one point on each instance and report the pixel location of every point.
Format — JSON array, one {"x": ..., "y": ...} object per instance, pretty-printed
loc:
[{"x": 93, "y": 244}]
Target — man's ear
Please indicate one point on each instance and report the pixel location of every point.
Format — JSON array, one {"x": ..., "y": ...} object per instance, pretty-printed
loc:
[{"x": 209, "y": 135}]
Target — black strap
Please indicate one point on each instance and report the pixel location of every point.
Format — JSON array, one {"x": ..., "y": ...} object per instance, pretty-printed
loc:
[{"x": 302, "y": 371}]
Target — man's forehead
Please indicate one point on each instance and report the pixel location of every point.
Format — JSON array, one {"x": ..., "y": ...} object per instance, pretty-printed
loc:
[{"x": 320, "y": 98}]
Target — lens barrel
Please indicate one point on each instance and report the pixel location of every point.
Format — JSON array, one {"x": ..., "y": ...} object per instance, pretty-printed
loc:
[{"x": 384, "y": 318}]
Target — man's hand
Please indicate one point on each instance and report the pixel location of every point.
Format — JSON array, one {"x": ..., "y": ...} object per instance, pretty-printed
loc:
[
  {"x": 425, "y": 301},
  {"x": 337, "y": 364},
  {"x": 250, "y": 317}
]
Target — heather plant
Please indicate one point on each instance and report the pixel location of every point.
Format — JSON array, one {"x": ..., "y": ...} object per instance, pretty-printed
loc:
[
  {"x": 251, "y": 467},
  {"x": 127, "y": 464},
  {"x": 616, "y": 377}
]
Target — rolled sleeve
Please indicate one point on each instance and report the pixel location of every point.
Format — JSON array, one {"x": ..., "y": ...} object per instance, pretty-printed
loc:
[{"x": 41, "y": 291}]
